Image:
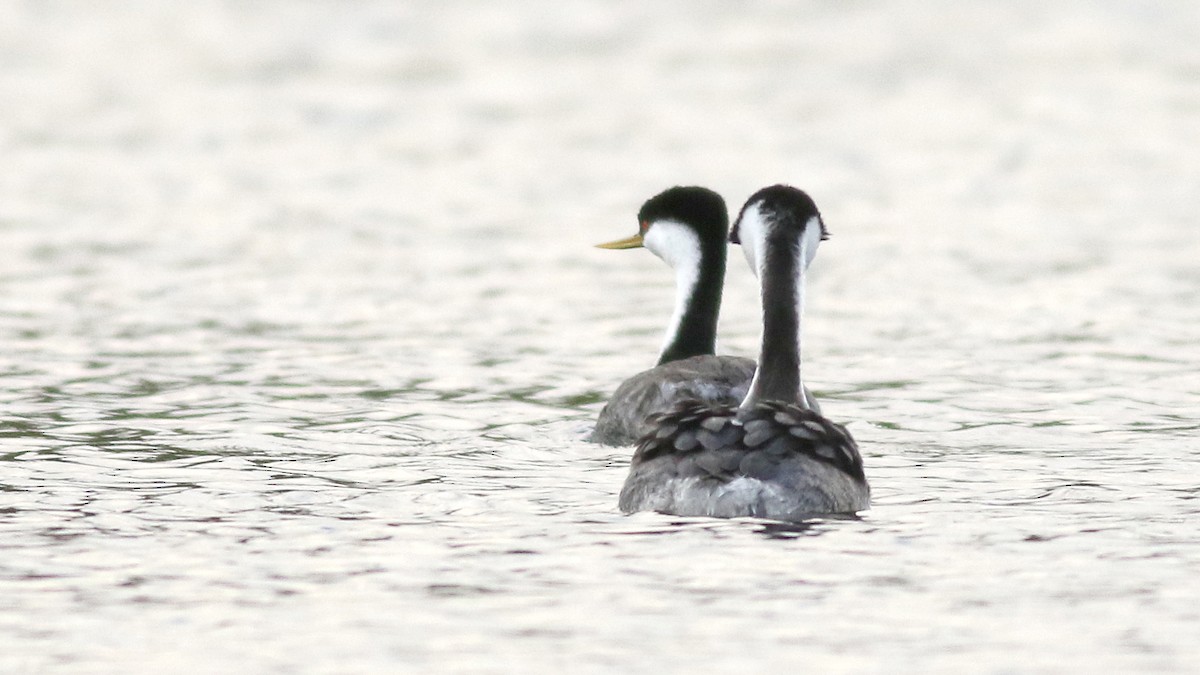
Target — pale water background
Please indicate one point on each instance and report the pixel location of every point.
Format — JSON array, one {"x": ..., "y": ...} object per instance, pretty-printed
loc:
[{"x": 300, "y": 329}]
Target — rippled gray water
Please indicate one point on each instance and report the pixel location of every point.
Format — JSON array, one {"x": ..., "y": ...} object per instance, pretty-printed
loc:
[{"x": 300, "y": 329}]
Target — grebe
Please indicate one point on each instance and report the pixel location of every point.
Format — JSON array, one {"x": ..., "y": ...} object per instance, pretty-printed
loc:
[
  {"x": 772, "y": 457},
  {"x": 687, "y": 228}
]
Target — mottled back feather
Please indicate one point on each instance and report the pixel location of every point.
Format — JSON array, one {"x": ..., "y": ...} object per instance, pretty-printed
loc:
[{"x": 753, "y": 441}]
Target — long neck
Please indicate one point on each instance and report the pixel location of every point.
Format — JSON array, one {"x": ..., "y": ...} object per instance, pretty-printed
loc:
[
  {"x": 778, "y": 376},
  {"x": 693, "y": 327}
]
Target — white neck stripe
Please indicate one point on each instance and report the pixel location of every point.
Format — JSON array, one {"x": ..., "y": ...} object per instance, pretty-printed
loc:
[{"x": 678, "y": 246}]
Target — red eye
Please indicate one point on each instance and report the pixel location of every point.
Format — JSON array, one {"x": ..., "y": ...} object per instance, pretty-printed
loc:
[{"x": 643, "y": 226}]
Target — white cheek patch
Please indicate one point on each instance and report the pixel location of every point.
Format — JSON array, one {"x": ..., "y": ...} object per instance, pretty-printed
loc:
[
  {"x": 810, "y": 240},
  {"x": 674, "y": 242},
  {"x": 752, "y": 231}
]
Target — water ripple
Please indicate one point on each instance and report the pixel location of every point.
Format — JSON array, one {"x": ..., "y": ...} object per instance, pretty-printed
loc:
[{"x": 301, "y": 331}]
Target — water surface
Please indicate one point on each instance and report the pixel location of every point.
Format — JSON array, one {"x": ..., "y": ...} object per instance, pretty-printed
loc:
[{"x": 300, "y": 331}]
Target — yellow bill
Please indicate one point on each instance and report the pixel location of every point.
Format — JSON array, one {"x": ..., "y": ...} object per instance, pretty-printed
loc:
[{"x": 629, "y": 242}]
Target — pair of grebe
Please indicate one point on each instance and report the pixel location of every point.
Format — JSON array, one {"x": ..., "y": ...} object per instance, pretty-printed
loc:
[{"x": 715, "y": 435}]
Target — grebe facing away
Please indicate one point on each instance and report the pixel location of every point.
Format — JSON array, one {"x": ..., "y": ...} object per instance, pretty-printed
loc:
[
  {"x": 772, "y": 457},
  {"x": 686, "y": 227}
]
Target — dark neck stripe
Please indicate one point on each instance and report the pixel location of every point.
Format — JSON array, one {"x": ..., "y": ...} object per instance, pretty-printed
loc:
[{"x": 779, "y": 360}]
